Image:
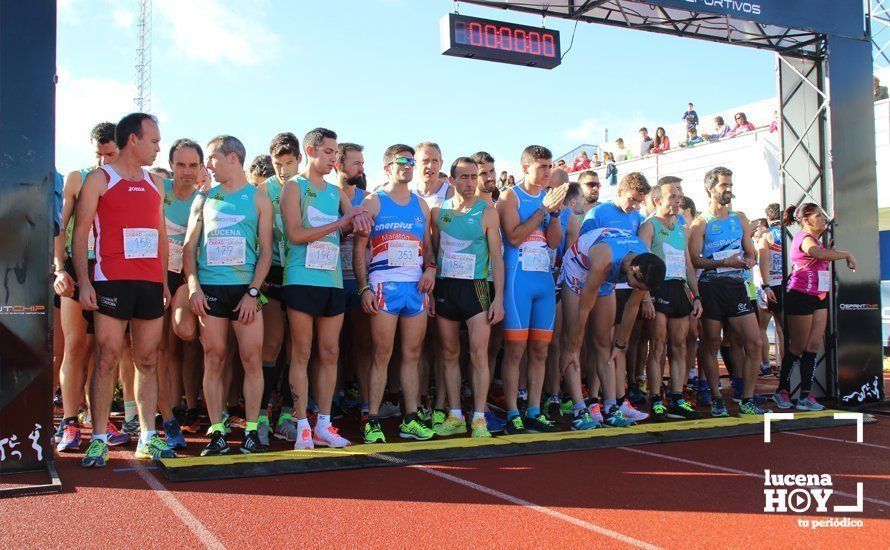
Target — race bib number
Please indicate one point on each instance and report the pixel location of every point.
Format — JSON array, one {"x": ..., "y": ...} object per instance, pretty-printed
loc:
[
  {"x": 403, "y": 254},
  {"x": 140, "y": 243},
  {"x": 226, "y": 251},
  {"x": 346, "y": 256},
  {"x": 322, "y": 255},
  {"x": 723, "y": 254},
  {"x": 174, "y": 258},
  {"x": 824, "y": 281},
  {"x": 458, "y": 265},
  {"x": 675, "y": 261},
  {"x": 535, "y": 259}
]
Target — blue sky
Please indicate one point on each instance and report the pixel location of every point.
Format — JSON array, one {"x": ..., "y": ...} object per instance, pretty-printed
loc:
[{"x": 371, "y": 70}]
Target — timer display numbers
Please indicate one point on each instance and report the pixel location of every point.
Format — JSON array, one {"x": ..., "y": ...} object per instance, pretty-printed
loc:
[{"x": 489, "y": 40}]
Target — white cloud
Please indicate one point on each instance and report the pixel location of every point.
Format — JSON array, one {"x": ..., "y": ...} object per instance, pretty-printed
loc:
[
  {"x": 123, "y": 19},
  {"x": 209, "y": 31}
]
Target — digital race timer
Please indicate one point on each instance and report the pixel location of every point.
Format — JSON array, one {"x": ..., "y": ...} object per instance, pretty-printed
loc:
[{"x": 473, "y": 37}]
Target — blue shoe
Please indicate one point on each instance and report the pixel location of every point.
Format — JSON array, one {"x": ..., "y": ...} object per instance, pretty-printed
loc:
[
  {"x": 616, "y": 419},
  {"x": 808, "y": 404},
  {"x": 493, "y": 423},
  {"x": 635, "y": 396},
  {"x": 704, "y": 395},
  {"x": 584, "y": 421},
  {"x": 738, "y": 388},
  {"x": 750, "y": 409},
  {"x": 173, "y": 435},
  {"x": 96, "y": 455},
  {"x": 718, "y": 408}
]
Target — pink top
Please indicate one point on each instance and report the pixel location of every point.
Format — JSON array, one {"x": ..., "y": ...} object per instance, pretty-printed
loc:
[
  {"x": 580, "y": 164},
  {"x": 808, "y": 275}
]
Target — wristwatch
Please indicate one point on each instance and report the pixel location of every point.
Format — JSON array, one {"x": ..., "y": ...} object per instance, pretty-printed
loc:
[
  {"x": 253, "y": 292},
  {"x": 765, "y": 286}
]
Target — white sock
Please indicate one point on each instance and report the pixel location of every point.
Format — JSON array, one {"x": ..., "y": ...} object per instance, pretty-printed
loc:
[
  {"x": 478, "y": 415},
  {"x": 101, "y": 437},
  {"x": 324, "y": 420},
  {"x": 303, "y": 424},
  {"x": 130, "y": 410},
  {"x": 458, "y": 413},
  {"x": 146, "y": 436}
]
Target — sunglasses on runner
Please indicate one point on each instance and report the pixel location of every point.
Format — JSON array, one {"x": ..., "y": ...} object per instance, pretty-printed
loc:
[{"x": 403, "y": 161}]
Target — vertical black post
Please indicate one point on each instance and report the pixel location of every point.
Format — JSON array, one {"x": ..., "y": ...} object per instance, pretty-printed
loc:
[
  {"x": 855, "y": 196},
  {"x": 27, "y": 142}
]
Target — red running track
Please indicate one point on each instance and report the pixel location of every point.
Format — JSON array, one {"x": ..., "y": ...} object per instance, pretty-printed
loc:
[{"x": 703, "y": 494}]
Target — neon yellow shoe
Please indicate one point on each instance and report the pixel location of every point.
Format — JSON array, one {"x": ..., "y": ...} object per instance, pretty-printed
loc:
[
  {"x": 373, "y": 433},
  {"x": 480, "y": 428},
  {"x": 437, "y": 418},
  {"x": 451, "y": 426},
  {"x": 415, "y": 429},
  {"x": 155, "y": 449}
]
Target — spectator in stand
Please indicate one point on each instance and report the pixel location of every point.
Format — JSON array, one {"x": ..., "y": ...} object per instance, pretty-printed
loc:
[
  {"x": 692, "y": 138},
  {"x": 646, "y": 142},
  {"x": 880, "y": 91},
  {"x": 721, "y": 130},
  {"x": 691, "y": 118},
  {"x": 662, "y": 143},
  {"x": 561, "y": 164},
  {"x": 596, "y": 161},
  {"x": 502, "y": 181},
  {"x": 774, "y": 125},
  {"x": 741, "y": 125},
  {"x": 581, "y": 162},
  {"x": 621, "y": 152},
  {"x": 611, "y": 170}
]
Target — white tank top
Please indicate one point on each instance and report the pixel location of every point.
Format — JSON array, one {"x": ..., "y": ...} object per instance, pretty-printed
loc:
[{"x": 437, "y": 198}]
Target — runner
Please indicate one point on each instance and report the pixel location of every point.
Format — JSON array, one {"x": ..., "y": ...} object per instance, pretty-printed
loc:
[
  {"x": 604, "y": 256},
  {"x": 395, "y": 288},
  {"x": 530, "y": 223},
  {"x": 77, "y": 324},
  {"x": 720, "y": 244},
  {"x": 466, "y": 234},
  {"x": 284, "y": 152},
  {"x": 122, "y": 202},
  {"x": 806, "y": 302},
  {"x": 313, "y": 283},
  {"x": 663, "y": 234},
  {"x": 226, "y": 257},
  {"x": 772, "y": 274},
  {"x": 590, "y": 185},
  {"x": 261, "y": 169}
]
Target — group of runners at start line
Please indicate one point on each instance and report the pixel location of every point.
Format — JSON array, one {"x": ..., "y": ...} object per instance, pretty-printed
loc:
[{"x": 541, "y": 278}]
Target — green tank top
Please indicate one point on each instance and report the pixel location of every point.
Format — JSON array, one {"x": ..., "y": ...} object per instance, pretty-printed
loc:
[
  {"x": 463, "y": 246},
  {"x": 176, "y": 216},
  {"x": 670, "y": 246},
  {"x": 69, "y": 229},
  {"x": 273, "y": 187},
  {"x": 229, "y": 244},
  {"x": 316, "y": 263}
]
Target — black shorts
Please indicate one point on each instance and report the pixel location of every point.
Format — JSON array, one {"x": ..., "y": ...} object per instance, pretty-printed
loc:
[
  {"x": 672, "y": 300},
  {"x": 316, "y": 301},
  {"x": 776, "y": 307},
  {"x": 622, "y": 295},
  {"x": 722, "y": 299},
  {"x": 127, "y": 300},
  {"x": 274, "y": 283},
  {"x": 174, "y": 282},
  {"x": 224, "y": 299},
  {"x": 461, "y": 299},
  {"x": 801, "y": 303}
]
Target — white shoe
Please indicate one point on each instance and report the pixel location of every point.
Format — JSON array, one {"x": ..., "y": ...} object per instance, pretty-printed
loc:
[
  {"x": 629, "y": 412},
  {"x": 388, "y": 409},
  {"x": 328, "y": 437},
  {"x": 304, "y": 440}
]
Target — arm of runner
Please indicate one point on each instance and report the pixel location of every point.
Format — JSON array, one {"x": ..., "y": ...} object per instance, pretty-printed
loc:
[
  {"x": 63, "y": 283},
  {"x": 197, "y": 301},
  {"x": 87, "y": 202},
  {"x": 574, "y": 329},
  {"x": 628, "y": 318},
  {"x": 163, "y": 243},
  {"x": 692, "y": 282},
  {"x": 292, "y": 216},
  {"x": 554, "y": 227},
  {"x": 493, "y": 235},
  {"x": 428, "y": 279},
  {"x": 247, "y": 306},
  {"x": 812, "y": 248},
  {"x": 646, "y": 233},
  {"x": 359, "y": 259},
  {"x": 353, "y": 217},
  {"x": 764, "y": 261},
  {"x": 508, "y": 211},
  {"x": 750, "y": 255},
  {"x": 573, "y": 231}
]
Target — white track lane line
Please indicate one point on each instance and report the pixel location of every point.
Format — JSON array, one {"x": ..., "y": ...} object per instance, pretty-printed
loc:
[
  {"x": 194, "y": 524},
  {"x": 734, "y": 471},
  {"x": 826, "y": 438}
]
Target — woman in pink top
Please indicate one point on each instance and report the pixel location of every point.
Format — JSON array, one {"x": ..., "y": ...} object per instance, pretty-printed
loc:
[
  {"x": 662, "y": 143},
  {"x": 806, "y": 301},
  {"x": 741, "y": 124}
]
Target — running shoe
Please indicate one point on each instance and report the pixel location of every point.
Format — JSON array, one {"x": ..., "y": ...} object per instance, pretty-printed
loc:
[
  {"x": 635, "y": 396},
  {"x": 494, "y": 423},
  {"x": 480, "y": 428},
  {"x": 115, "y": 437},
  {"x": 388, "y": 409},
  {"x": 154, "y": 449},
  {"x": 131, "y": 427},
  {"x": 304, "y": 439},
  {"x": 554, "y": 411},
  {"x": 539, "y": 424},
  {"x": 738, "y": 389},
  {"x": 808, "y": 404},
  {"x": 782, "y": 399},
  {"x": 83, "y": 418},
  {"x": 718, "y": 408},
  {"x": 683, "y": 410},
  {"x": 583, "y": 421},
  {"x": 522, "y": 405},
  {"x": 96, "y": 456},
  {"x": 596, "y": 412},
  {"x": 704, "y": 395},
  {"x": 451, "y": 426},
  {"x": 57, "y": 398},
  {"x": 616, "y": 419},
  {"x": 217, "y": 446},
  {"x": 286, "y": 429},
  {"x": 227, "y": 422},
  {"x": 631, "y": 413},
  {"x": 373, "y": 433},
  {"x": 329, "y": 437},
  {"x": 766, "y": 369},
  {"x": 263, "y": 430},
  {"x": 173, "y": 434},
  {"x": 643, "y": 386},
  {"x": 692, "y": 383},
  {"x": 191, "y": 422},
  {"x": 70, "y": 440},
  {"x": 750, "y": 409},
  {"x": 515, "y": 426},
  {"x": 234, "y": 421},
  {"x": 436, "y": 418},
  {"x": 415, "y": 429},
  {"x": 659, "y": 412},
  {"x": 252, "y": 444},
  {"x": 565, "y": 408}
]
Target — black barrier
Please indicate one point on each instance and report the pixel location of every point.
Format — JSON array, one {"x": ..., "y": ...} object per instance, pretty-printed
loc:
[{"x": 27, "y": 141}]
